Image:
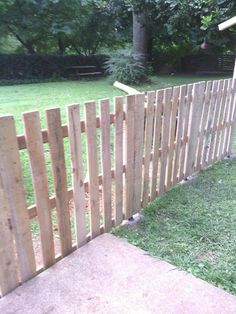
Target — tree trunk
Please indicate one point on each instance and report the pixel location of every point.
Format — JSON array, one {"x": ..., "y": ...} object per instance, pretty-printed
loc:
[{"x": 140, "y": 39}]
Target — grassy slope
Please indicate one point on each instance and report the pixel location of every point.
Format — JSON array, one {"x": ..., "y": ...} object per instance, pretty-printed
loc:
[{"x": 193, "y": 226}]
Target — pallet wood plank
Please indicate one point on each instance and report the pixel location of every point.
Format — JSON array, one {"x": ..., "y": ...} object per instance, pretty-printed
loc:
[
  {"x": 118, "y": 101},
  {"x": 138, "y": 150},
  {"x": 209, "y": 126},
  {"x": 215, "y": 121},
  {"x": 195, "y": 119},
  {"x": 74, "y": 132},
  {"x": 220, "y": 120},
  {"x": 8, "y": 266},
  {"x": 148, "y": 145},
  {"x": 57, "y": 154},
  {"x": 34, "y": 143},
  {"x": 203, "y": 126},
  {"x": 175, "y": 103},
  {"x": 12, "y": 180},
  {"x": 106, "y": 163},
  {"x": 129, "y": 154},
  {"x": 92, "y": 156},
  {"x": 156, "y": 141},
  {"x": 165, "y": 139},
  {"x": 179, "y": 132}
]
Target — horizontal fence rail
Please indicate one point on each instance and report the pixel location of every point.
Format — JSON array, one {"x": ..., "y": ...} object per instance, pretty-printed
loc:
[{"x": 119, "y": 161}]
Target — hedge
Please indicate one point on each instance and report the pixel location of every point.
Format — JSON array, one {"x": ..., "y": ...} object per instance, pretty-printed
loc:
[{"x": 28, "y": 67}]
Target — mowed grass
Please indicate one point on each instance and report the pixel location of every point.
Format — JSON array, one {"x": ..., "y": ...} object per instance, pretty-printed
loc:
[{"x": 193, "y": 226}]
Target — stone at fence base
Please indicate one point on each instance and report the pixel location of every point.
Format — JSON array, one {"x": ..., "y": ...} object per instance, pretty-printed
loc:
[
  {"x": 230, "y": 157},
  {"x": 189, "y": 179},
  {"x": 133, "y": 220}
]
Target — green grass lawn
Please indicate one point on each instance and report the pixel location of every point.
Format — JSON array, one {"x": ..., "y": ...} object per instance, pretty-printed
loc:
[{"x": 192, "y": 226}]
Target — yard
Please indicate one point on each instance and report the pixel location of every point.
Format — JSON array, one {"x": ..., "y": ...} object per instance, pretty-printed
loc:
[{"x": 192, "y": 226}]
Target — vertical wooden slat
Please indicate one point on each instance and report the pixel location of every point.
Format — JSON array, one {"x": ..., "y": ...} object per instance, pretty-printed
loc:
[
  {"x": 165, "y": 139},
  {"x": 220, "y": 120},
  {"x": 55, "y": 139},
  {"x": 179, "y": 132},
  {"x": 215, "y": 121},
  {"x": 232, "y": 120},
  {"x": 138, "y": 150},
  {"x": 225, "y": 121},
  {"x": 197, "y": 106},
  {"x": 12, "y": 181},
  {"x": 118, "y": 159},
  {"x": 129, "y": 162},
  {"x": 175, "y": 102},
  {"x": 156, "y": 141},
  {"x": 106, "y": 163},
  {"x": 92, "y": 156},
  {"x": 209, "y": 122},
  {"x": 8, "y": 266},
  {"x": 74, "y": 133},
  {"x": 203, "y": 124},
  {"x": 185, "y": 138},
  {"x": 34, "y": 143},
  {"x": 148, "y": 145}
]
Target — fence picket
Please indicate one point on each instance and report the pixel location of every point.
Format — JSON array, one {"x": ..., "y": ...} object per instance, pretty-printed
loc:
[
  {"x": 157, "y": 141},
  {"x": 203, "y": 126},
  {"x": 148, "y": 145},
  {"x": 74, "y": 133},
  {"x": 56, "y": 147},
  {"x": 8, "y": 264},
  {"x": 209, "y": 123},
  {"x": 106, "y": 163},
  {"x": 197, "y": 106},
  {"x": 12, "y": 181},
  {"x": 165, "y": 139},
  {"x": 118, "y": 159},
  {"x": 179, "y": 132},
  {"x": 138, "y": 150},
  {"x": 34, "y": 143},
  {"x": 173, "y": 123},
  {"x": 129, "y": 162},
  {"x": 232, "y": 120},
  {"x": 92, "y": 156}
]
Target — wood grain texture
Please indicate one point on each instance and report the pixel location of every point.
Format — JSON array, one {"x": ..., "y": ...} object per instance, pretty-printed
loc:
[
  {"x": 8, "y": 265},
  {"x": 74, "y": 132},
  {"x": 173, "y": 122},
  {"x": 129, "y": 153},
  {"x": 57, "y": 154},
  {"x": 138, "y": 150},
  {"x": 156, "y": 141},
  {"x": 195, "y": 120},
  {"x": 13, "y": 189},
  {"x": 118, "y": 101},
  {"x": 106, "y": 163},
  {"x": 35, "y": 149},
  {"x": 148, "y": 145},
  {"x": 165, "y": 139},
  {"x": 92, "y": 157}
]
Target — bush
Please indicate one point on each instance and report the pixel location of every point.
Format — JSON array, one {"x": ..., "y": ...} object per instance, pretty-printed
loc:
[{"x": 126, "y": 69}]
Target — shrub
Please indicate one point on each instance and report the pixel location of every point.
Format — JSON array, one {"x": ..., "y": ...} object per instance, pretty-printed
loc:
[{"x": 126, "y": 69}]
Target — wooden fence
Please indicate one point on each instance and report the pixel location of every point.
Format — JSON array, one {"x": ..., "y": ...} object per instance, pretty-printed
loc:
[{"x": 148, "y": 144}]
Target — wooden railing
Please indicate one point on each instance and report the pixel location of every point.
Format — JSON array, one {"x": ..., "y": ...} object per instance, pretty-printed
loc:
[{"x": 159, "y": 139}]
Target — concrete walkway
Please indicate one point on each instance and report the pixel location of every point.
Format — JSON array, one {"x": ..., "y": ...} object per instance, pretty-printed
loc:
[{"x": 108, "y": 275}]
